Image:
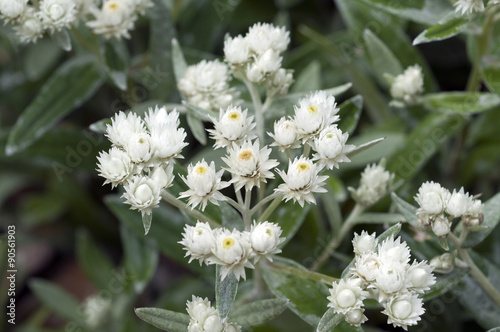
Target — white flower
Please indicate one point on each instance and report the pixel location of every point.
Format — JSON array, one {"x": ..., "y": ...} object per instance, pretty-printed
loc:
[
  {"x": 12, "y": 9},
  {"x": 441, "y": 225},
  {"x": 204, "y": 317},
  {"x": 458, "y": 203},
  {"x": 394, "y": 252},
  {"x": 265, "y": 238},
  {"x": 142, "y": 5},
  {"x": 122, "y": 127},
  {"x": 232, "y": 251},
  {"x": 474, "y": 215},
  {"x": 331, "y": 147},
  {"x": 346, "y": 296},
  {"x": 232, "y": 327},
  {"x": 96, "y": 310},
  {"x": 279, "y": 82},
  {"x": 142, "y": 193},
  {"x": 233, "y": 126},
  {"x": 269, "y": 61},
  {"x": 115, "y": 166},
  {"x": 420, "y": 276},
  {"x": 408, "y": 85},
  {"x": 432, "y": 198},
  {"x": 204, "y": 185},
  {"x": 248, "y": 165},
  {"x": 469, "y": 6},
  {"x": 139, "y": 148},
  {"x": 285, "y": 134},
  {"x": 264, "y": 36},
  {"x": 403, "y": 310},
  {"x": 57, "y": 14},
  {"x": 374, "y": 185},
  {"x": 206, "y": 85},
  {"x": 366, "y": 266},
  {"x": 158, "y": 118},
  {"x": 167, "y": 142},
  {"x": 355, "y": 317},
  {"x": 198, "y": 241},
  {"x": 315, "y": 113},
  {"x": 115, "y": 19},
  {"x": 364, "y": 243},
  {"x": 162, "y": 176},
  {"x": 236, "y": 50},
  {"x": 390, "y": 280},
  {"x": 301, "y": 181},
  {"x": 29, "y": 27},
  {"x": 443, "y": 263}
]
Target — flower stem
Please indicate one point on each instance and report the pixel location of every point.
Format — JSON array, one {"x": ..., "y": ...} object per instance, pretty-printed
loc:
[
  {"x": 262, "y": 202},
  {"x": 257, "y": 103},
  {"x": 337, "y": 238},
  {"x": 168, "y": 197},
  {"x": 303, "y": 273},
  {"x": 234, "y": 204},
  {"x": 270, "y": 208},
  {"x": 245, "y": 213}
]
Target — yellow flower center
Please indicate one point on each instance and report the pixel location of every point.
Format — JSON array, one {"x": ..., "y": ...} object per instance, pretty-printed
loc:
[
  {"x": 200, "y": 170},
  {"x": 246, "y": 154},
  {"x": 269, "y": 232},
  {"x": 234, "y": 115},
  {"x": 303, "y": 166},
  {"x": 329, "y": 135},
  {"x": 312, "y": 109},
  {"x": 141, "y": 140},
  {"x": 228, "y": 242},
  {"x": 113, "y": 5}
]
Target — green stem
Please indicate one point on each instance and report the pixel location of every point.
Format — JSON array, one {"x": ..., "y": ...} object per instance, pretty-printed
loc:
[
  {"x": 238, "y": 197},
  {"x": 168, "y": 197},
  {"x": 307, "y": 149},
  {"x": 270, "y": 209},
  {"x": 257, "y": 103},
  {"x": 245, "y": 213},
  {"x": 263, "y": 202},
  {"x": 311, "y": 275},
  {"x": 234, "y": 204},
  {"x": 338, "y": 237}
]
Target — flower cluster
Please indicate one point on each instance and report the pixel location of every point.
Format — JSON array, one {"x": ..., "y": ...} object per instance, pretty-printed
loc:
[
  {"x": 206, "y": 85},
  {"x": 375, "y": 183},
  {"x": 382, "y": 271},
  {"x": 409, "y": 85},
  {"x": 142, "y": 155},
  {"x": 438, "y": 207},
  {"x": 231, "y": 250},
  {"x": 204, "y": 317},
  {"x": 115, "y": 18},
  {"x": 256, "y": 57},
  {"x": 469, "y": 6}
]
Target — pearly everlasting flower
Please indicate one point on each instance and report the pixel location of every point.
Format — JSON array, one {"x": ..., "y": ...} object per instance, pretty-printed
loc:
[
  {"x": 122, "y": 127},
  {"x": 331, "y": 147},
  {"x": 236, "y": 50},
  {"x": 232, "y": 327},
  {"x": 203, "y": 316},
  {"x": 198, "y": 241},
  {"x": 458, "y": 203},
  {"x": 408, "y": 85},
  {"x": 474, "y": 214},
  {"x": 12, "y": 9},
  {"x": 139, "y": 148},
  {"x": 248, "y": 165},
  {"x": 390, "y": 280},
  {"x": 355, "y": 317},
  {"x": 315, "y": 113},
  {"x": 403, "y": 310},
  {"x": 443, "y": 263},
  {"x": 366, "y": 266},
  {"x": 159, "y": 119},
  {"x": 264, "y": 239},
  {"x": 206, "y": 85},
  {"x": 29, "y": 27},
  {"x": 469, "y": 6},
  {"x": 432, "y": 198},
  {"x": 264, "y": 36},
  {"x": 115, "y": 166},
  {"x": 374, "y": 185},
  {"x": 142, "y": 193},
  {"x": 394, "y": 252},
  {"x": 302, "y": 180},
  {"x": 142, "y": 5},
  {"x": 285, "y": 134},
  {"x": 163, "y": 176},
  {"x": 279, "y": 82},
  {"x": 204, "y": 184},
  {"x": 264, "y": 65},
  {"x": 168, "y": 142},
  {"x": 346, "y": 296},
  {"x": 232, "y": 251},
  {"x": 364, "y": 243},
  {"x": 96, "y": 310},
  {"x": 57, "y": 14},
  {"x": 419, "y": 274},
  {"x": 234, "y": 125},
  {"x": 441, "y": 225},
  {"x": 115, "y": 19}
]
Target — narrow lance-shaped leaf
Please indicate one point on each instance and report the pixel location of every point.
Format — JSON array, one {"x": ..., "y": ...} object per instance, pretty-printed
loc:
[
  {"x": 382, "y": 58},
  {"x": 69, "y": 87},
  {"x": 363, "y": 147},
  {"x": 258, "y": 312},
  {"x": 62, "y": 39},
  {"x": 461, "y": 102},
  {"x": 349, "y": 113},
  {"x": 225, "y": 293},
  {"x": 115, "y": 54},
  {"x": 408, "y": 210},
  {"x": 179, "y": 62},
  {"x": 447, "y": 28},
  {"x": 329, "y": 321},
  {"x": 165, "y": 320},
  {"x": 197, "y": 128}
]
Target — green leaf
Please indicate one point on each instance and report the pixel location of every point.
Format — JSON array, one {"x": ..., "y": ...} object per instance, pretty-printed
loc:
[
  {"x": 397, "y": 4},
  {"x": 69, "y": 87},
  {"x": 363, "y": 147},
  {"x": 197, "y": 128},
  {"x": 231, "y": 219},
  {"x": 329, "y": 321},
  {"x": 179, "y": 62},
  {"x": 199, "y": 112},
  {"x": 379, "y": 218},
  {"x": 447, "y": 28},
  {"x": 349, "y": 112},
  {"x": 40, "y": 58},
  {"x": 491, "y": 214},
  {"x": 307, "y": 297},
  {"x": 225, "y": 293},
  {"x": 422, "y": 144},
  {"x": 496, "y": 329},
  {"x": 258, "y": 312},
  {"x": 490, "y": 73},
  {"x": 391, "y": 231},
  {"x": 290, "y": 216},
  {"x": 94, "y": 261},
  {"x": 147, "y": 219},
  {"x": 461, "y": 102},
  {"x": 309, "y": 79},
  {"x": 57, "y": 299},
  {"x": 382, "y": 59},
  {"x": 62, "y": 39},
  {"x": 141, "y": 257},
  {"x": 116, "y": 56},
  {"x": 409, "y": 211},
  {"x": 165, "y": 320},
  {"x": 445, "y": 283}
]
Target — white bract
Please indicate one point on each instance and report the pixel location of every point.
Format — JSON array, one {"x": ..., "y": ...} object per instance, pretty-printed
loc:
[
  {"x": 404, "y": 310},
  {"x": 163, "y": 176},
  {"x": 374, "y": 184},
  {"x": 234, "y": 125},
  {"x": 198, "y": 241},
  {"x": 142, "y": 194},
  {"x": 236, "y": 50},
  {"x": 432, "y": 198},
  {"x": 204, "y": 317},
  {"x": 346, "y": 296},
  {"x": 315, "y": 113},
  {"x": 115, "y": 19},
  {"x": 469, "y": 6},
  {"x": 122, "y": 127},
  {"x": 441, "y": 225},
  {"x": 302, "y": 180},
  {"x": 115, "y": 166},
  {"x": 57, "y": 14},
  {"x": 355, "y": 317},
  {"x": 204, "y": 184},
  {"x": 139, "y": 148},
  {"x": 29, "y": 27},
  {"x": 264, "y": 36},
  {"x": 331, "y": 147},
  {"x": 285, "y": 134},
  {"x": 420, "y": 276},
  {"x": 264, "y": 239},
  {"x": 458, "y": 203},
  {"x": 12, "y": 9},
  {"x": 408, "y": 85},
  {"x": 364, "y": 242}
]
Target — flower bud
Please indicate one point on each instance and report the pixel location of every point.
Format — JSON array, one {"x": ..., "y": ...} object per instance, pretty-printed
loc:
[
  {"x": 236, "y": 50},
  {"x": 265, "y": 238},
  {"x": 441, "y": 226},
  {"x": 212, "y": 323},
  {"x": 198, "y": 241},
  {"x": 458, "y": 203},
  {"x": 269, "y": 62},
  {"x": 254, "y": 73},
  {"x": 364, "y": 243},
  {"x": 12, "y": 9},
  {"x": 163, "y": 178},
  {"x": 443, "y": 263},
  {"x": 232, "y": 327},
  {"x": 355, "y": 317},
  {"x": 139, "y": 148},
  {"x": 285, "y": 134}
]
